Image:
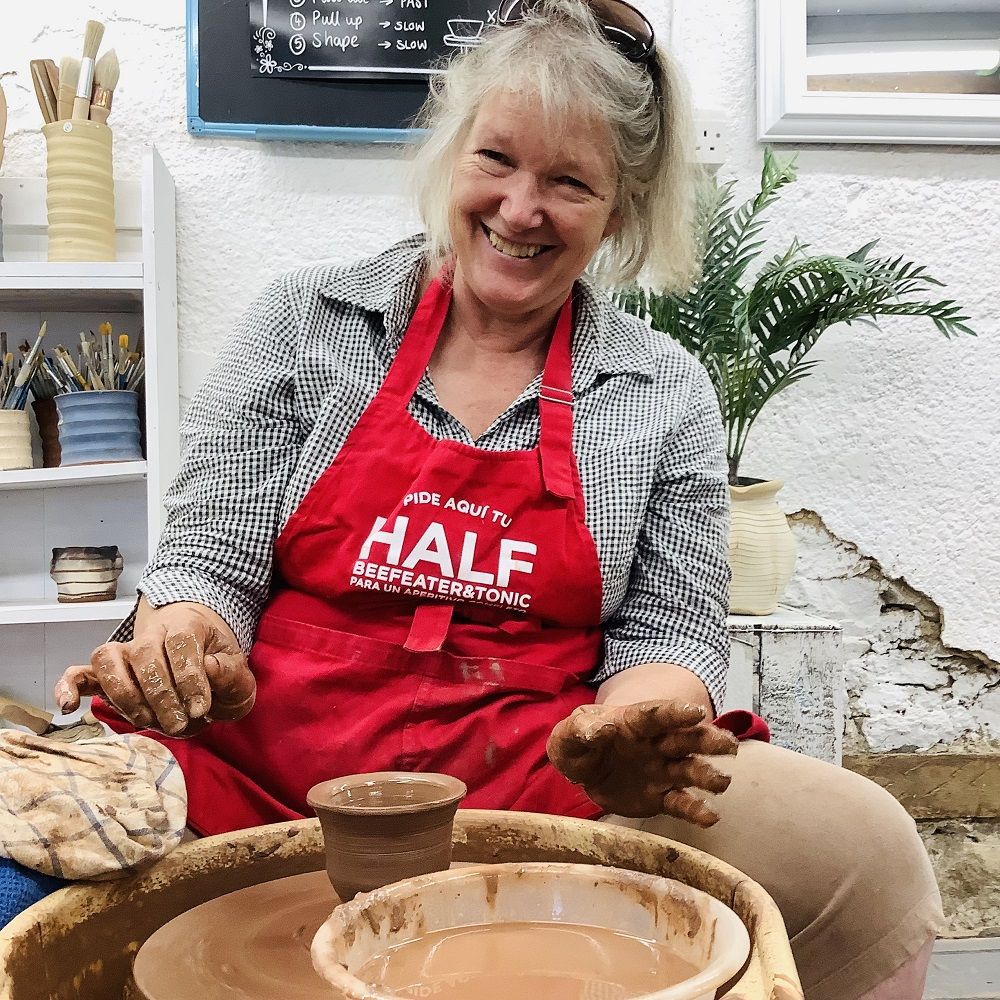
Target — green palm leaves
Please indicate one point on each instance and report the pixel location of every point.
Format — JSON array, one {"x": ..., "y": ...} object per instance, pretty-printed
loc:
[{"x": 753, "y": 334}]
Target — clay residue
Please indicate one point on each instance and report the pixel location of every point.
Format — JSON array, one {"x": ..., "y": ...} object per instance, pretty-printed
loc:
[{"x": 492, "y": 882}]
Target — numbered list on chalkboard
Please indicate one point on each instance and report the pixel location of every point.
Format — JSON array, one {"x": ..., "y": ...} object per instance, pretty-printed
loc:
[{"x": 363, "y": 38}]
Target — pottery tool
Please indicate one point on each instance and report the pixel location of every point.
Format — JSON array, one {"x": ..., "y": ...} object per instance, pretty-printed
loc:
[
  {"x": 69, "y": 74},
  {"x": 136, "y": 376},
  {"x": 3, "y": 129},
  {"x": 92, "y": 39},
  {"x": 106, "y": 75},
  {"x": 52, "y": 72},
  {"x": 43, "y": 91}
]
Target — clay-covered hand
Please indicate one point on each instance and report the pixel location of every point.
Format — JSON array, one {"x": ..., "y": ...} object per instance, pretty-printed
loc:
[
  {"x": 640, "y": 760},
  {"x": 181, "y": 671}
]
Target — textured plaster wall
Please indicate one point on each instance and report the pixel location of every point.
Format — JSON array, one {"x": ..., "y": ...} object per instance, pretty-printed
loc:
[{"x": 895, "y": 441}]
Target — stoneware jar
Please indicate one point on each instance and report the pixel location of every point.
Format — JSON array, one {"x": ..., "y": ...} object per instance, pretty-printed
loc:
[
  {"x": 86, "y": 573},
  {"x": 99, "y": 427},
  {"x": 80, "y": 191},
  {"x": 761, "y": 548},
  {"x": 385, "y": 826},
  {"x": 47, "y": 419},
  {"x": 15, "y": 440}
]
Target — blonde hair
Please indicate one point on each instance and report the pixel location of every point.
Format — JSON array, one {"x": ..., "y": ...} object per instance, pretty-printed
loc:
[{"x": 559, "y": 55}]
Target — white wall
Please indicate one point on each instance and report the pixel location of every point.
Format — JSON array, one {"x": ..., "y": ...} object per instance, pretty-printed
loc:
[{"x": 895, "y": 442}]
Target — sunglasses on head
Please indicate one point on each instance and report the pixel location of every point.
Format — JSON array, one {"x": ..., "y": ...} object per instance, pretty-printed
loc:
[{"x": 623, "y": 26}]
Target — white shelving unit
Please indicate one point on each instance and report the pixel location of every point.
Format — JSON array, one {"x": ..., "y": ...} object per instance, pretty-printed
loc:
[{"x": 115, "y": 504}]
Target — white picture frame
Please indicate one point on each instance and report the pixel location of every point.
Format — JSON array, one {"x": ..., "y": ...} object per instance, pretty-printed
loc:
[{"x": 788, "y": 112}]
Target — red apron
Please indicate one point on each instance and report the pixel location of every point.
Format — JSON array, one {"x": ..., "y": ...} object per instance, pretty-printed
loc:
[{"x": 436, "y": 607}]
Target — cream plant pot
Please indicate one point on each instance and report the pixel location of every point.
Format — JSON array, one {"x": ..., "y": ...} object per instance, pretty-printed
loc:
[{"x": 761, "y": 549}]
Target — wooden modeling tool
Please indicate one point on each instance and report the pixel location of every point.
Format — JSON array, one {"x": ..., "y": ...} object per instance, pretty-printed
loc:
[
  {"x": 43, "y": 90},
  {"x": 3, "y": 124},
  {"x": 69, "y": 74},
  {"x": 52, "y": 72},
  {"x": 92, "y": 39},
  {"x": 106, "y": 74}
]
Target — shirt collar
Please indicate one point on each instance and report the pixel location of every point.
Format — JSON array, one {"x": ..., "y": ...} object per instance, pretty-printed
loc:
[{"x": 605, "y": 341}]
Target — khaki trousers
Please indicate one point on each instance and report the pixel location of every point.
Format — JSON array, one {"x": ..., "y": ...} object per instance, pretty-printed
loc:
[{"x": 841, "y": 858}]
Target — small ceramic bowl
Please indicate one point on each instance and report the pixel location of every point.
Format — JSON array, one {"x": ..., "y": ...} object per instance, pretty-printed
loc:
[{"x": 85, "y": 573}]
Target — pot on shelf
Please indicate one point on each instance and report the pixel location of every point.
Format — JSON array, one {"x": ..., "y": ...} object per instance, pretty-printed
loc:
[{"x": 761, "y": 548}]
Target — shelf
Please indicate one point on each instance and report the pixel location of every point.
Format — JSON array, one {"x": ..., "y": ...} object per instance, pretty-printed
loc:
[
  {"x": 37, "y": 612},
  {"x": 73, "y": 475},
  {"x": 92, "y": 287}
]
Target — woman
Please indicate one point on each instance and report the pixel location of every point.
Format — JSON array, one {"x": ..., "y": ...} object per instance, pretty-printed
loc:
[{"x": 447, "y": 505}]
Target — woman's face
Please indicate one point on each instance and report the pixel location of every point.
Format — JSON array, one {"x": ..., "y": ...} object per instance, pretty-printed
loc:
[{"x": 530, "y": 205}]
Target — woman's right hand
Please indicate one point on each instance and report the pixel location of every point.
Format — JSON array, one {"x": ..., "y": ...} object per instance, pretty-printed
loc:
[{"x": 182, "y": 670}]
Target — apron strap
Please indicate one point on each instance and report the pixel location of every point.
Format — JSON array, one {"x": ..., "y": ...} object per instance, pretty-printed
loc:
[
  {"x": 417, "y": 345},
  {"x": 429, "y": 628},
  {"x": 555, "y": 410}
]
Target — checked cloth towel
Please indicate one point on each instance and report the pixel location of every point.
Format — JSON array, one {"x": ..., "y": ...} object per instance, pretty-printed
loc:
[{"x": 96, "y": 809}]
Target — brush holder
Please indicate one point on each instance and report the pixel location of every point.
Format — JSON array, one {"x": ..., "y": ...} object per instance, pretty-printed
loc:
[
  {"x": 15, "y": 440},
  {"x": 47, "y": 419},
  {"x": 99, "y": 427},
  {"x": 80, "y": 191}
]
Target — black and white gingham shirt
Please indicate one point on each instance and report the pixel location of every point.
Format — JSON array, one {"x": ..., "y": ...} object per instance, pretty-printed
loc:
[{"x": 314, "y": 348}]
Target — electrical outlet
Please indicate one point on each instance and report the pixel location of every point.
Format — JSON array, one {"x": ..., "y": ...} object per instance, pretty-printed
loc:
[{"x": 710, "y": 143}]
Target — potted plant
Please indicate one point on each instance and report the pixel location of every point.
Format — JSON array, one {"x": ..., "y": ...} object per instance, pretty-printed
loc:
[{"x": 753, "y": 333}]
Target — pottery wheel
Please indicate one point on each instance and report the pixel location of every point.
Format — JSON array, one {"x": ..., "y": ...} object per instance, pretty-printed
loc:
[{"x": 249, "y": 945}]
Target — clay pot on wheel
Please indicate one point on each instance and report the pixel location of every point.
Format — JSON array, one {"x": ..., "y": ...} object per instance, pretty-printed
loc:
[{"x": 385, "y": 826}]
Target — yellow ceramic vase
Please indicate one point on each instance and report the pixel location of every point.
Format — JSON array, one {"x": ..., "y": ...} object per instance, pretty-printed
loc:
[
  {"x": 761, "y": 549},
  {"x": 80, "y": 193}
]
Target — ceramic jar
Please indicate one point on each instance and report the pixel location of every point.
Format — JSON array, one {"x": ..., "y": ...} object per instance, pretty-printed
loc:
[
  {"x": 15, "y": 440},
  {"x": 47, "y": 418},
  {"x": 80, "y": 191},
  {"x": 99, "y": 427},
  {"x": 761, "y": 548},
  {"x": 86, "y": 573}
]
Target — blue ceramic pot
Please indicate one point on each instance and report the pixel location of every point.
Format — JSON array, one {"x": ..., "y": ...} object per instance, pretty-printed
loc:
[{"x": 99, "y": 427}]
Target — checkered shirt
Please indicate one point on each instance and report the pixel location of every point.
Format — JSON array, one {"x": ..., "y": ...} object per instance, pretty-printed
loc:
[{"x": 312, "y": 351}]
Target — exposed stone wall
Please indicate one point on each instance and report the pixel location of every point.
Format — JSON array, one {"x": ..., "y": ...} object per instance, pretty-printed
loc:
[{"x": 906, "y": 689}]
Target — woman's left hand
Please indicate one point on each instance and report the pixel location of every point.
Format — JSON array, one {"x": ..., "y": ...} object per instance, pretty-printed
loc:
[{"x": 639, "y": 760}]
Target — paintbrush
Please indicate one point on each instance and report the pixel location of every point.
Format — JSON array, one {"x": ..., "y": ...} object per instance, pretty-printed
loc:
[
  {"x": 20, "y": 395},
  {"x": 106, "y": 76},
  {"x": 43, "y": 90},
  {"x": 69, "y": 74},
  {"x": 67, "y": 359},
  {"x": 92, "y": 39},
  {"x": 122, "y": 361}
]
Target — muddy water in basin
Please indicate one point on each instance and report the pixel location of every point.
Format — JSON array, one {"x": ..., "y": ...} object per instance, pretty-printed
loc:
[{"x": 527, "y": 960}]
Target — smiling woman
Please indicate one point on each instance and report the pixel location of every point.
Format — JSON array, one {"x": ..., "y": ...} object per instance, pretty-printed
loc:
[{"x": 447, "y": 509}]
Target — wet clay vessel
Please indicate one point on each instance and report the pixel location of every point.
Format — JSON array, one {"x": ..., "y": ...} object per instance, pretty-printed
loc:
[{"x": 385, "y": 826}]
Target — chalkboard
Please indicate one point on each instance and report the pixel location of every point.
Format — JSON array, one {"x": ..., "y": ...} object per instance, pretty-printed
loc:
[{"x": 353, "y": 70}]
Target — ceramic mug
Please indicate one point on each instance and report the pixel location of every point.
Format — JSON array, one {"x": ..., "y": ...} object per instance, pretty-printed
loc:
[
  {"x": 86, "y": 573},
  {"x": 101, "y": 426},
  {"x": 15, "y": 440},
  {"x": 80, "y": 191}
]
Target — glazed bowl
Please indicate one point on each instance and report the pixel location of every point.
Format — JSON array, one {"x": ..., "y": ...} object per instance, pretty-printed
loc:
[{"x": 693, "y": 926}]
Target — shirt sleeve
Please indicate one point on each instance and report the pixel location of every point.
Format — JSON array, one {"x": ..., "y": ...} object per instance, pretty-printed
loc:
[
  {"x": 675, "y": 606},
  {"x": 241, "y": 440}
]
